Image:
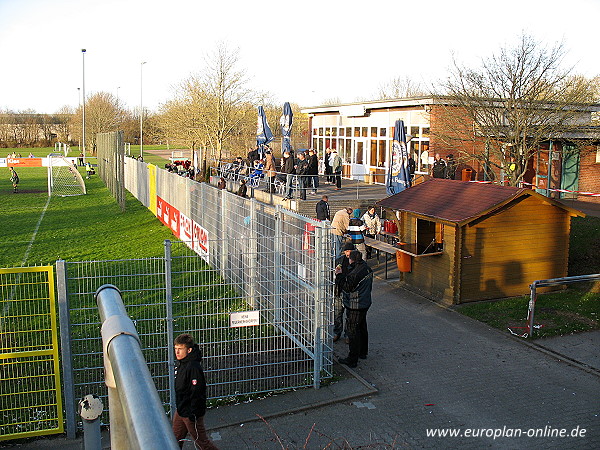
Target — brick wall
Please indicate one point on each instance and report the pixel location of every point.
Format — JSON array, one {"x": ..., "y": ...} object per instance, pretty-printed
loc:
[{"x": 589, "y": 174}]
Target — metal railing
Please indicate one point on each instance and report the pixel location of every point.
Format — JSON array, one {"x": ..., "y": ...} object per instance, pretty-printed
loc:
[
  {"x": 137, "y": 417},
  {"x": 551, "y": 282}
]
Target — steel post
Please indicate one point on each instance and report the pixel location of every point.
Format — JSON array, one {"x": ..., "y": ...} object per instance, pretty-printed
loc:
[
  {"x": 65, "y": 348},
  {"x": 140, "y": 409}
]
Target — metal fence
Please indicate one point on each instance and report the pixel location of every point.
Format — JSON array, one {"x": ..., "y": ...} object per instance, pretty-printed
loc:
[
  {"x": 267, "y": 266},
  {"x": 30, "y": 395}
]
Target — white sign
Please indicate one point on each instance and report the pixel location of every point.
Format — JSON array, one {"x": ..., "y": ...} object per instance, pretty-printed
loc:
[{"x": 244, "y": 319}]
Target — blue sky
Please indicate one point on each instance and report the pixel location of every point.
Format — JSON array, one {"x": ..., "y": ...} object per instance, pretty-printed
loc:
[{"x": 303, "y": 52}]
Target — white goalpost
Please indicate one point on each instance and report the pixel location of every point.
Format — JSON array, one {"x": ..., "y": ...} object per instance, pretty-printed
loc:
[{"x": 63, "y": 177}]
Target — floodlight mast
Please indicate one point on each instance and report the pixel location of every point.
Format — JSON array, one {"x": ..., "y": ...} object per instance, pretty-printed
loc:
[{"x": 83, "y": 92}]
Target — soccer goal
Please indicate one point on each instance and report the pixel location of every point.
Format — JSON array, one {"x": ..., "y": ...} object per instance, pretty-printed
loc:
[{"x": 63, "y": 177}]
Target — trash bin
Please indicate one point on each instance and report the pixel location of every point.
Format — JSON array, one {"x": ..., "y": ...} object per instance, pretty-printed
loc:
[
  {"x": 403, "y": 260},
  {"x": 467, "y": 174}
]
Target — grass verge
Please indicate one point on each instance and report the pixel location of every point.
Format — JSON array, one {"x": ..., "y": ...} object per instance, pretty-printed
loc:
[{"x": 568, "y": 311}]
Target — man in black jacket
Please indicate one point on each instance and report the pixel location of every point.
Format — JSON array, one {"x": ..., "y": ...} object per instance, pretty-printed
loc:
[
  {"x": 190, "y": 393},
  {"x": 289, "y": 168},
  {"x": 356, "y": 297},
  {"x": 322, "y": 209},
  {"x": 302, "y": 171},
  {"x": 313, "y": 170}
]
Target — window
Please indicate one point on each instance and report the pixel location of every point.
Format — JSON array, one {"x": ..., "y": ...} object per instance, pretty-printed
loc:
[
  {"x": 315, "y": 143},
  {"x": 342, "y": 131},
  {"x": 348, "y": 131},
  {"x": 430, "y": 236},
  {"x": 415, "y": 131},
  {"x": 342, "y": 149},
  {"x": 357, "y": 131},
  {"x": 373, "y": 131},
  {"x": 334, "y": 131},
  {"x": 382, "y": 132},
  {"x": 320, "y": 131},
  {"x": 381, "y": 153},
  {"x": 359, "y": 152},
  {"x": 373, "y": 161}
]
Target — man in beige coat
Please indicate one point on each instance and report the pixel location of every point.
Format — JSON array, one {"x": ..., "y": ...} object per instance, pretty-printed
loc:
[{"x": 339, "y": 225}]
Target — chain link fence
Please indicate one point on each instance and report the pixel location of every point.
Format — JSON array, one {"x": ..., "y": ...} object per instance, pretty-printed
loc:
[{"x": 238, "y": 262}]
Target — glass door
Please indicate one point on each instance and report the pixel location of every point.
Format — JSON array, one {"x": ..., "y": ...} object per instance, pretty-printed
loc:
[{"x": 359, "y": 162}]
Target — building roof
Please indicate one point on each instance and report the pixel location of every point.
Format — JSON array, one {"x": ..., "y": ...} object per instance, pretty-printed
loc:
[{"x": 459, "y": 201}]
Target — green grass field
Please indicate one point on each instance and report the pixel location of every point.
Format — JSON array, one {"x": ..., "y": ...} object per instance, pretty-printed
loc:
[
  {"x": 85, "y": 227},
  {"x": 572, "y": 310}
]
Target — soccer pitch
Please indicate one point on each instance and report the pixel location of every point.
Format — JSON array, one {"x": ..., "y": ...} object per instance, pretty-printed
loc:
[{"x": 36, "y": 229}]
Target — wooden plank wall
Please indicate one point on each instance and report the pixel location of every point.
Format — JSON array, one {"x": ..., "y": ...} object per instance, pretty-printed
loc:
[
  {"x": 432, "y": 275},
  {"x": 504, "y": 253}
]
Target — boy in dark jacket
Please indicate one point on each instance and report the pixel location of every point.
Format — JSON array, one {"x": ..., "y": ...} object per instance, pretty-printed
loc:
[{"x": 190, "y": 393}]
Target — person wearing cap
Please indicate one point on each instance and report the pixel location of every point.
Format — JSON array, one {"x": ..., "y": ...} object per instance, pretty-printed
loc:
[
  {"x": 341, "y": 269},
  {"x": 356, "y": 229},
  {"x": 336, "y": 168},
  {"x": 356, "y": 297}
]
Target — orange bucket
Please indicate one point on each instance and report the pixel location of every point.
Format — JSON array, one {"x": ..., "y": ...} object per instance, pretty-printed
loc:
[{"x": 403, "y": 261}]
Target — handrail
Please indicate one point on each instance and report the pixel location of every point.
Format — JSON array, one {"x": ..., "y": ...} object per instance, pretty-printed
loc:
[
  {"x": 551, "y": 282},
  {"x": 137, "y": 416}
]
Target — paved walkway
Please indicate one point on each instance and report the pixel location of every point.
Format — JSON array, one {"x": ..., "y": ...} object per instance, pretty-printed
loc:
[
  {"x": 428, "y": 368},
  {"x": 434, "y": 368}
]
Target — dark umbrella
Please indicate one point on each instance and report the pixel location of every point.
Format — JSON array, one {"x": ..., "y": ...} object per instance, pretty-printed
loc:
[
  {"x": 286, "y": 121},
  {"x": 263, "y": 132},
  {"x": 398, "y": 177}
]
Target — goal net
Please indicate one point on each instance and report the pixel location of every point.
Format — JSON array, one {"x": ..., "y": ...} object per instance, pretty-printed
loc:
[{"x": 63, "y": 177}]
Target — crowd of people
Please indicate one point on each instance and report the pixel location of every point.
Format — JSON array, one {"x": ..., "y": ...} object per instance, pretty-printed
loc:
[
  {"x": 353, "y": 276},
  {"x": 295, "y": 171},
  {"x": 183, "y": 168}
]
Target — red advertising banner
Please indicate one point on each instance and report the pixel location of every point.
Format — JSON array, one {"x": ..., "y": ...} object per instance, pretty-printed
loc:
[
  {"x": 162, "y": 211},
  {"x": 23, "y": 162},
  {"x": 185, "y": 229},
  {"x": 200, "y": 241},
  {"x": 174, "y": 220}
]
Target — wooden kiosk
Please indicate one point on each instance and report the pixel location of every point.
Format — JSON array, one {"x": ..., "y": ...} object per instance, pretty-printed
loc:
[{"x": 474, "y": 241}]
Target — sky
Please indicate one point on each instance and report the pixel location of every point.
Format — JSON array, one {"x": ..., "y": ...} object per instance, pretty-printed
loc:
[{"x": 304, "y": 52}]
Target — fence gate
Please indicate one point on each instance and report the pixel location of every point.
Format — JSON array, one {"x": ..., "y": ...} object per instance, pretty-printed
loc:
[{"x": 30, "y": 395}]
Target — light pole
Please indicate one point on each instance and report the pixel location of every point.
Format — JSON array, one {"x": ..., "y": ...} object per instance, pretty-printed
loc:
[
  {"x": 79, "y": 100},
  {"x": 83, "y": 91},
  {"x": 141, "y": 110}
]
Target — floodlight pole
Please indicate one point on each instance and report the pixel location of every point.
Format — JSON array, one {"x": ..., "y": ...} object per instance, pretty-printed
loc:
[
  {"x": 83, "y": 91},
  {"x": 141, "y": 110}
]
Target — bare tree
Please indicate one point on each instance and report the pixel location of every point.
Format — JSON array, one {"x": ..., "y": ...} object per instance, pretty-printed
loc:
[
  {"x": 501, "y": 112},
  {"x": 211, "y": 108},
  {"x": 102, "y": 114},
  {"x": 400, "y": 87}
]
